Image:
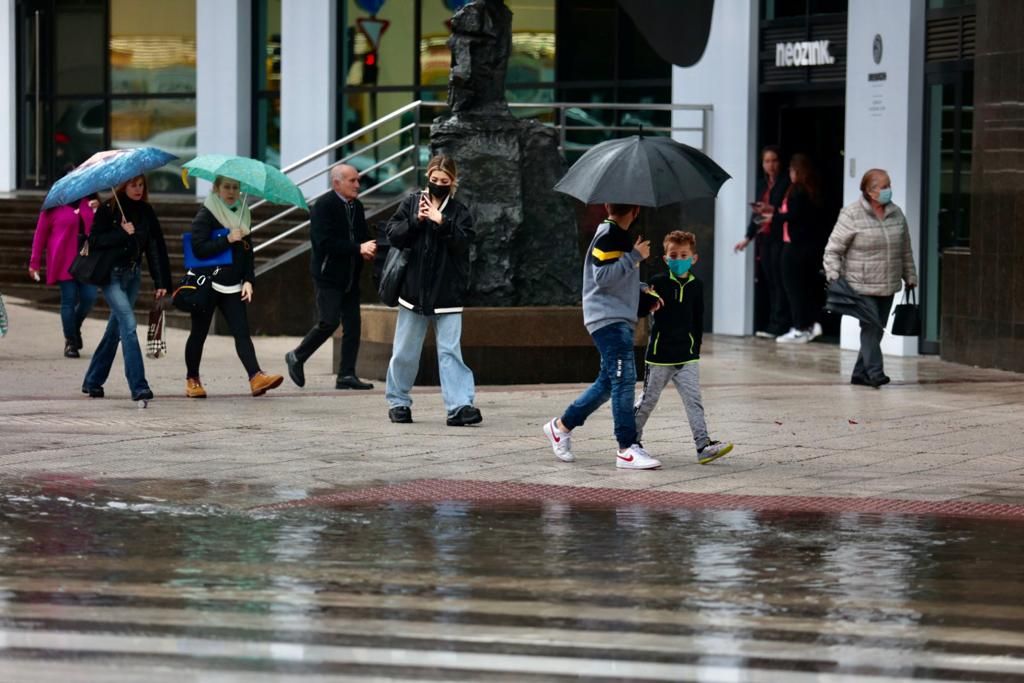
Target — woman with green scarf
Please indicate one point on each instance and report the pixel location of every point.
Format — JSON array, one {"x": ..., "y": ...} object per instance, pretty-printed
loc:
[{"x": 232, "y": 283}]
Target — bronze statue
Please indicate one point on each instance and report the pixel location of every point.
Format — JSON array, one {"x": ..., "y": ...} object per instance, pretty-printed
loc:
[{"x": 481, "y": 43}]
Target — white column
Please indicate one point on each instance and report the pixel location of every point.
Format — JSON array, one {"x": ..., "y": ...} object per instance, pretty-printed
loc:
[
  {"x": 884, "y": 114},
  {"x": 223, "y": 79},
  {"x": 726, "y": 78},
  {"x": 309, "y": 34},
  {"x": 8, "y": 99}
]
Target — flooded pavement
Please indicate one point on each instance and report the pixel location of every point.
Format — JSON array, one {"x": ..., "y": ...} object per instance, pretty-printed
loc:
[{"x": 96, "y": 587}]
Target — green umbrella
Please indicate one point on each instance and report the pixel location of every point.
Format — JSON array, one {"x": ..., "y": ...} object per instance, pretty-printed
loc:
[{"x": 255, "y": 177}]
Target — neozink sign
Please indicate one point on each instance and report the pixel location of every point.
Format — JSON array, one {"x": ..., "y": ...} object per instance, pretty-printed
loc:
[{"x": 806, "y": 53}]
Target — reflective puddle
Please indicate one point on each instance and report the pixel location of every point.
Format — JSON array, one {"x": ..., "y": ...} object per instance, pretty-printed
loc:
[{"x": 100, "y": 589}]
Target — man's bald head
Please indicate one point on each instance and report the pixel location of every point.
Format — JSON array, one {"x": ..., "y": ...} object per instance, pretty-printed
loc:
[{"x": 345, "y": 181}]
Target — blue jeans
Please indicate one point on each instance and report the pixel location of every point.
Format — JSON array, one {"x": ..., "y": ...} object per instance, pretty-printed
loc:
[
  {"x": 76, "y": 300},
  {"x": 120, "y": 293},
  {"x": 616, "y": 380},
  {"x": 457, "y": 387}
]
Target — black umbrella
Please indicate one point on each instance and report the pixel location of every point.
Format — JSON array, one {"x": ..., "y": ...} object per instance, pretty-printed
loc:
[
  {"x": 647, "y": 171},
  {"x": 840, "y": 298}
]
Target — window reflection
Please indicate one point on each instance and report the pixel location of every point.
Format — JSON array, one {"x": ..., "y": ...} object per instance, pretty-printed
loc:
[
  {"x": 152, "y": 47},
  {"x": 169, "y": 124}
]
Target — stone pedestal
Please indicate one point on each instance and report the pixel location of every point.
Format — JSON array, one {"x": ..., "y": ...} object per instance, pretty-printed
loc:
[{"x": 523, "y": 345}]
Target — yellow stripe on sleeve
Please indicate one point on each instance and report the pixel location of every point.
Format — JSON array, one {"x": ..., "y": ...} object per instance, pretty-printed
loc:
[{"x": 606, "y": 255}]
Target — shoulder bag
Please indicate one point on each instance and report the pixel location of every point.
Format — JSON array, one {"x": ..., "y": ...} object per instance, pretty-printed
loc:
[
  {"x": 906, "y": 320},
  {"x": 91, "y": 266}
]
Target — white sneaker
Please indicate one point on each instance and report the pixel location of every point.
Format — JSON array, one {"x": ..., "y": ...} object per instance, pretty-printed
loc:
[
  {"x": 788, "y": 337},
  {"x": 764, "y": 334},
  {"x": 795, "y": 337},
  {"x": 561, "y": 442},
  {"x": 816, "y": 331},
  {"x": 635, "y": 458}
]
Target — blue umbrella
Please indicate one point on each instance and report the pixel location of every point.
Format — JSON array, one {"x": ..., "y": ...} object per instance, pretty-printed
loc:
[{"x": 105, "y": 170}]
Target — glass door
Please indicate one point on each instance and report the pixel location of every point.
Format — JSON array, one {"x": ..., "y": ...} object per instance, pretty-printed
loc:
[
  {"x": 949, "y": 120},
  {"x": 61, "y": 79}
]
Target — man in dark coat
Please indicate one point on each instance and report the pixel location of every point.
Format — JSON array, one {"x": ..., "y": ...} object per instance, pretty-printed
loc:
[{"x": 341, "y": 242}]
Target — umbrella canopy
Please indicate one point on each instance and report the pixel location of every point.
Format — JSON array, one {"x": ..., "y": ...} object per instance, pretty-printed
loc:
[
  {"x": 254, "y": 177},
  {"x": 103, "y": 171},
  {"x": 647, "y": 171},
  {"x": 840, "y": 298}
]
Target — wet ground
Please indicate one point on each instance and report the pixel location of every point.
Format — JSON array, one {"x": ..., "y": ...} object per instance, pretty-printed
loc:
[{"x": 103, "y": 587}]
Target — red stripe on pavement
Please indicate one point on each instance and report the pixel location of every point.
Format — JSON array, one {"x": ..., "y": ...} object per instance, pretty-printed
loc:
[{"x": 429, "y": 491}]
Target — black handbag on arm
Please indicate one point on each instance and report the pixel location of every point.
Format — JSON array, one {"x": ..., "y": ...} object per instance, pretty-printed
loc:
[
  {"x": 906, "y": 321},
  {"x": 91, "y": 266},
  {"x": 392, "y": 276}
]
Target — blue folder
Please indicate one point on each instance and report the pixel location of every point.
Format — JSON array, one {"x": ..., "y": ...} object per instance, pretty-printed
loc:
[{"x": 192, "y": 261}]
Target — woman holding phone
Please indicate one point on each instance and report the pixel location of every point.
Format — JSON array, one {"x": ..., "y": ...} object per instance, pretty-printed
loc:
[{"x": 437, "y": 231}]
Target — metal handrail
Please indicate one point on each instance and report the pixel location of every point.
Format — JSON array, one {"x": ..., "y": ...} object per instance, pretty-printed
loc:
[{"x": 416, "y": 107}]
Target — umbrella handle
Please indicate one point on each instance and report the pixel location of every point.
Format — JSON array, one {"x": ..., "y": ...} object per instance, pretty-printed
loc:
[{"x": 118, "y": 202}]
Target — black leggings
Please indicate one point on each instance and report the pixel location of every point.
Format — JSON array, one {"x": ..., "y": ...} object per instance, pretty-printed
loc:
[
  {"x": 233, "y": 308},
  {"x": 799, "y": 277}
]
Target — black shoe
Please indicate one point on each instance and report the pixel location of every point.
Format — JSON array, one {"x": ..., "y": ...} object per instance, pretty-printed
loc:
[
  {"x": 295, "y": 369},
  {"x": 400, "y": 414},
  {"x": 94, "y": 392},
  {"x": 78, "y": 339},
  {"x": 352, "y": 382},
  {"x": 146, "y": 395},
  {"x": 466, "y": 415},
  {"x": 70, "y": 350},
  {"x": 869, "y": 381}
]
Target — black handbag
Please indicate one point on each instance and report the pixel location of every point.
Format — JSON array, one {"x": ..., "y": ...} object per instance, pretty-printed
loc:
[
  {"x": 906, "y": 321},
  {"x": 392, "y": 276},
  {"x": 194, "y": 293},
  {"x": 91, "y": 266}
]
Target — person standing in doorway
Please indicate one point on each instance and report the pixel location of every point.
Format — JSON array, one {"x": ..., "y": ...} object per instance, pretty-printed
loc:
[
  {"x": 767, "y": 238},
  {"x": 870, "y": 247},
  {"x": 341, "y": 242},
  {"x": 800, "y": 215}
]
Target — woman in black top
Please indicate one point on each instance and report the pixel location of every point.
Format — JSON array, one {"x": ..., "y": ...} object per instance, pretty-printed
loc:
[
  {"x": 127, "y": 227},
  {"x": 224, "y": 223},
  {"x": 436, "y": 230},
  {"x": 800, "y": 218}
]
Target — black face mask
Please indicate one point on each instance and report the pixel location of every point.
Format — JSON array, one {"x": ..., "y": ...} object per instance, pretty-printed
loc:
[{"x": 439, "y": 191}]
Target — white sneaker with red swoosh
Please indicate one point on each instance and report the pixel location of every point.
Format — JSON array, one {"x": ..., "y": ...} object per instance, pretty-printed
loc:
[
  {"x": 561, "y": 442},
  {"x": 635, "y": 458}
]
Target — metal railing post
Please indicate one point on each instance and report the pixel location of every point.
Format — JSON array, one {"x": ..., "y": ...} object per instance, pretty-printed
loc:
[{"x": 416, "y": 144}]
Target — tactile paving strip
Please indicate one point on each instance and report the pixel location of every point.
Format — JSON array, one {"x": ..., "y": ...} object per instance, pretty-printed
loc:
[{"x": 429, "y": 491}]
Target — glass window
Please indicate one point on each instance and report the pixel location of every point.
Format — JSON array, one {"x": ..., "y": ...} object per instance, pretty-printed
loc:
[
  {"x": 267, "y": 98},
  {"x": 152, "y": 46},
  {"x": 779, "y": 9},
  {"x": 79, "y": 33},
  {"x": 380, "y": 48},
  {"x": 166, "y": 123}
]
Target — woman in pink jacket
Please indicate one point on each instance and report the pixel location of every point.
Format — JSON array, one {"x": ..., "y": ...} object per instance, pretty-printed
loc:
[{"x": 57, "y": 235}]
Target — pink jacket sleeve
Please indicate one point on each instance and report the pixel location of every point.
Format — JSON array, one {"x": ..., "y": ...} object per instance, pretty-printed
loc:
[{"x": 42, "y": 237}]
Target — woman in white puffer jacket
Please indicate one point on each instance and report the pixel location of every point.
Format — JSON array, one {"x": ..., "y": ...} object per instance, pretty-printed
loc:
[{"x": 870, "y": 247}]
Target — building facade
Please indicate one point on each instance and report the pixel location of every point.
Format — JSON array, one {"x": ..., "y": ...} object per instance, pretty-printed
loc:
[{"x": 854, "y": 85}]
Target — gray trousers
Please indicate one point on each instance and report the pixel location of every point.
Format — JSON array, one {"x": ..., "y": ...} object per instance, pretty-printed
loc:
[
  {"x": 869, "y": 360},
  {"x": 687, "y": 381}
]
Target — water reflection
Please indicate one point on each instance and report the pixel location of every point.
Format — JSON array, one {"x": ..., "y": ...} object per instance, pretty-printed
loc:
[{"x": 543, "y": 591}]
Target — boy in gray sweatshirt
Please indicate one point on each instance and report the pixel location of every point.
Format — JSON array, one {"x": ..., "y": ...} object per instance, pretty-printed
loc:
[{"x": 611, "y": 298}]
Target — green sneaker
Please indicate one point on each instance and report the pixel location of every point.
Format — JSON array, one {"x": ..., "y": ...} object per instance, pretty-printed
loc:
[{"x": 713, "y": 451}]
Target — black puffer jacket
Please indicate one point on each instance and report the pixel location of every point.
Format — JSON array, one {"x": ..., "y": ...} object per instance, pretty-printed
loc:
[
  {"x": 678, "y": 329},
  {"x": 437, "y": 275},
  {"x": 148, "y": 239},
  {"x": 204, "y": 245}
]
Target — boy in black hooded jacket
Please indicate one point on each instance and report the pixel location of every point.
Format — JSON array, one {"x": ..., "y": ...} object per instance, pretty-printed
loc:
[{"x": 673, "y": 350}]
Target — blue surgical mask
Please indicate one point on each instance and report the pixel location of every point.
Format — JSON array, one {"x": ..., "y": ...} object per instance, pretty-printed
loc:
[
  {"x": 885, "y": 196},
  {"x": 680, "y": 266}
]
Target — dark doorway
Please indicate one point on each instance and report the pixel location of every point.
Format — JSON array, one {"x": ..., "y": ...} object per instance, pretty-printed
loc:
[{"x": 810, "y": 123}]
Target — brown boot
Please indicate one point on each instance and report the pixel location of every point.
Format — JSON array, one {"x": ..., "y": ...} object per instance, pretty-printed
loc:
[
  {"x": 261, "y": 383},
  {"x": 194, "y": 388}
]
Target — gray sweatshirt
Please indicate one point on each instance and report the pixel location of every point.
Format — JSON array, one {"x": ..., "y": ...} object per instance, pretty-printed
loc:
[{"x": 611, "y": 279}]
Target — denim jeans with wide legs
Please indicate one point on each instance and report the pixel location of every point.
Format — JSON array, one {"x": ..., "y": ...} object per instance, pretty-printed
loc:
[
  {"x": 120, "y": 293},
  {"x": 76, "y": 300},
  {"x": 616, "y": 380},
  {"x": 457, "y": 385}
]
